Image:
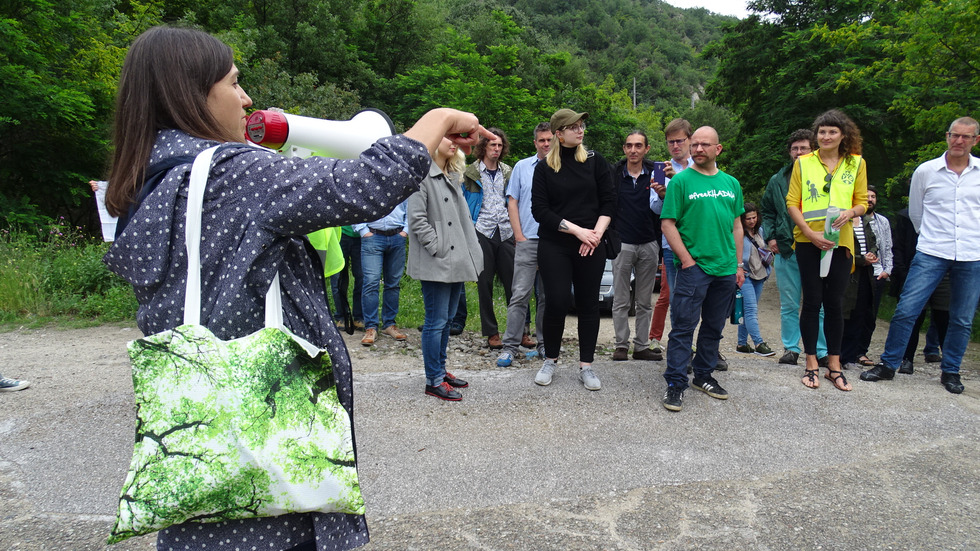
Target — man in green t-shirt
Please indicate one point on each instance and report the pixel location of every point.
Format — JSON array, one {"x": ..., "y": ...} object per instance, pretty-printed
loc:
[{"x": 700, "y": 220}]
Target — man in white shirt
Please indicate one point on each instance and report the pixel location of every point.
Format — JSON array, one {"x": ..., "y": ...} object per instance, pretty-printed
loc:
[{"x": 944, "y": 206}]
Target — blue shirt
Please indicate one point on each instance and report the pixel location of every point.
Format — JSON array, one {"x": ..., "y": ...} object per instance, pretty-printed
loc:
[
  {"x": 519, "y": 188},
  {"x": 394, "y": 221}
]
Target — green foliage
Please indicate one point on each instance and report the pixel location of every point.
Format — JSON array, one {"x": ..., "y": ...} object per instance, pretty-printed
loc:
[
  {"x": 58, "y": 63},
  {"x": 59, "y": 272}
]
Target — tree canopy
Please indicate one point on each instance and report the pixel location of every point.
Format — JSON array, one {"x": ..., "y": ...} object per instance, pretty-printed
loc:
[{"x": 902, "y": 70}]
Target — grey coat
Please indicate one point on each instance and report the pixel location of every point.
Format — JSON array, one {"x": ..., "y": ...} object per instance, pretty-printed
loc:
[{"x": 442, "y": 243}]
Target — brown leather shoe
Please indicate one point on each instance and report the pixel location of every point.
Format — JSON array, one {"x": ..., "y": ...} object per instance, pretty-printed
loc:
[
  {"x": 369, "y": 335},
  {"x": 647, "y": 354},
  {"x": 393, "y": 332},
  {"x": 526, "y": 341},
  {"x": 494, "y": 342},
  {"x": 621, "y": 354}
]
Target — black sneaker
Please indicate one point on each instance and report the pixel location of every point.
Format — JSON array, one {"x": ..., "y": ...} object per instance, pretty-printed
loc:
[
  {"x": 823, "y": 361},
  {"x": 444, "y": 391},
  {"x": 952, "y": 382},
  {"x": 722, "y": 364},
  {"x": 906, "y": 367},
  {"x": 455, "y": 329},
  {"x": 880, "y": 372},
  {"x": 673, "y": 399},
  {"x": 710, "y": 387},
  {"x": 455, "y": 382},
  {"x": 934, "y": 358},
  {"x": 790, "y": 358}
]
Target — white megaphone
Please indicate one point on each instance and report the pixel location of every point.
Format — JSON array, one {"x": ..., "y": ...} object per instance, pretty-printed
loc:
[{"x": 297, "y": 136}]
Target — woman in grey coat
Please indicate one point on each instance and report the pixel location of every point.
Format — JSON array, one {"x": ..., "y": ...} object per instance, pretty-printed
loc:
[{"x": 443, "y": 252}]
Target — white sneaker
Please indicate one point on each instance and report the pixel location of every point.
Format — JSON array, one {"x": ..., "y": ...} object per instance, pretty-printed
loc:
[
  {"x": 544, "y": 375},
  {"x": 589, "y": 379},
  {"x": 655, "y": 345}
]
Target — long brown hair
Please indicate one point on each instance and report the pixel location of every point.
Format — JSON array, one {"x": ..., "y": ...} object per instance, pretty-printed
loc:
[{"x": 165, "y": 80}]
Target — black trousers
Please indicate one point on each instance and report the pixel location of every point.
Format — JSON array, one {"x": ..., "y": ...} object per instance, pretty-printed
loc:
[
  {"x": 827, "y": 292},
  {"x": 498, "y": 259},
  {"x": 560, "y": 266}
]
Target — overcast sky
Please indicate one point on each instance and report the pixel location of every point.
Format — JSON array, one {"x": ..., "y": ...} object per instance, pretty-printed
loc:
[{"x": 724, "y": 7}]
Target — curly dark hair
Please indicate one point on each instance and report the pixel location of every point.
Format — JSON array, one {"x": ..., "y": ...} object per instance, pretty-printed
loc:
[
  {"x": 798, "y": 135},
  {"x": 851, "y": 143},
  {"x": 481, "y": 147}
]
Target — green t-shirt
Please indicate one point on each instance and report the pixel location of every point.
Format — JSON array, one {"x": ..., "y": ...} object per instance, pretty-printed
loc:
[{"x": 704, "y": 209}]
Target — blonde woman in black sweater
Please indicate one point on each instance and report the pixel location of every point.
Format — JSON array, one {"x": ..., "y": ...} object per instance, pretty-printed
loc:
[{"x": 573, "y": 199}]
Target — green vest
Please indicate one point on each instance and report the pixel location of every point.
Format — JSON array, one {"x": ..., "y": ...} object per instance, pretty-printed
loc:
[{"x": 812, "y": 177}]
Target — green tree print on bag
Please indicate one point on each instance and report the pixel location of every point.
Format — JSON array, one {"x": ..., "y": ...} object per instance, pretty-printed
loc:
[{"x": 236, "y": 429}]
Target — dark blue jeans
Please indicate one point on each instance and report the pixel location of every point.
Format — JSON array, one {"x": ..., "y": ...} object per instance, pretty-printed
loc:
[{"x": 696, "y": 297}]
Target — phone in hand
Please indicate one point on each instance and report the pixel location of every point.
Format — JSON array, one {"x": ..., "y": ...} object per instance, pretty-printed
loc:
[{"x": 659, "y": 176}]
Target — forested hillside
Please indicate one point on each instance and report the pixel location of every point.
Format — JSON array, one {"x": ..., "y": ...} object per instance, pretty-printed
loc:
[
  {"x": 902, "y": 69},
  {"x": 511, "y": 62}
]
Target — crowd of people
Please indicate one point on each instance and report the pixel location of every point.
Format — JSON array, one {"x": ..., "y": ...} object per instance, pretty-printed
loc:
[{"x": 546, "y": 227}]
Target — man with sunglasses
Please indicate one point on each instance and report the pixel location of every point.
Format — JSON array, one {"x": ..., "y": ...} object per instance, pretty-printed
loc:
[{"x": 944, "y": 202}]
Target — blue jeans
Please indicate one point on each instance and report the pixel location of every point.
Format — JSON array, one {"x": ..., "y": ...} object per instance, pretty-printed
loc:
[
  {"x": 440, "y": 302},
  {"x": 381, "y": 256},
  {"x": 790, "y": 297},
  {"x": 925, "y": 273},
  {"x": 697, "y": 297},
  {"x": 670, "y": 269},
  {"x": 751, "y": 291}
]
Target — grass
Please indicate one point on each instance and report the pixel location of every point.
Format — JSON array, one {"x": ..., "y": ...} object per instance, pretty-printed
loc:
[{"x": 55, "y": 275}]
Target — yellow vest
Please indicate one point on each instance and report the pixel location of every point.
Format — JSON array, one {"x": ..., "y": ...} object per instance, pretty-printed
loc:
[
  {"x": 327, "y": 243},
  {"x": 812, "y": 180}
]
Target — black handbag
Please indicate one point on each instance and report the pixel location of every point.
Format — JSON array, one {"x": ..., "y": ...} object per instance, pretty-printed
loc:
[{"x": 610, "y": 238}]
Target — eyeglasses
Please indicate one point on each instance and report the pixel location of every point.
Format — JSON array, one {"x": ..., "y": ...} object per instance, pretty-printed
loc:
[
  {"x": 577, "y": 127},
  {"x": 956, "y": 137},
  {"x": 696, "y": 146},
  {"x": 800, "y": 148},
  {"x": 676, "y": 142}
]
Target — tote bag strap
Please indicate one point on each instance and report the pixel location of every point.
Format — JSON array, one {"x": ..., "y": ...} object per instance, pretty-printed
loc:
[{"x": 192, "y": 238}]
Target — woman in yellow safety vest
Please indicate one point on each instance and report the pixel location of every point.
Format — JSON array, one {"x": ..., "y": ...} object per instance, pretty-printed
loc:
[{"x": 834, "y": 175}]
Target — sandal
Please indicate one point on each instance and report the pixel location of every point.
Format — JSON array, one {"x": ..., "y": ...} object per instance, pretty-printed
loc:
[
  {"x": 865, "y": 361},
  {"x": 837, "y": 378},
  {"x": 810, "y": 376}
]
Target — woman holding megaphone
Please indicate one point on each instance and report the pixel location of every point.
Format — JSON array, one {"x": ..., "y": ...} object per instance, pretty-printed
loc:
[
  {"x": 827, "y": 189},
  {"x": 179, "y": 95}
]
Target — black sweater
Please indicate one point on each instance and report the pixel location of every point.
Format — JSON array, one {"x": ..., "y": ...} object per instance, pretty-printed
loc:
[
  {"x": 637, "y": 224},
  {"x": 579, "y": 193}
]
